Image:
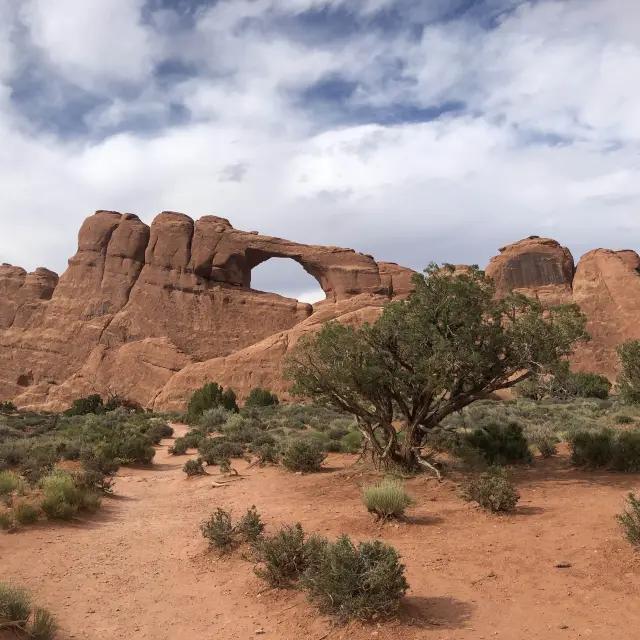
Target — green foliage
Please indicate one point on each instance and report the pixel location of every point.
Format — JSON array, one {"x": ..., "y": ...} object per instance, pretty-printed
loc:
[
  {"x": 7, "y": 407},
  {"x": 387, "y": 499},
  {"x": 364, "y": 582},
  {"x": 193, "y": 468},
  {"x": 546, "y": 441},
  {"x": 63, "y": 497},
  {"x": 261, "y": 398},
  {"x": 491, "y": 490},
  {"x": 26, "y": 513},
  {"x": 352, "y": 442},
  {"x": 214, "y": 450},
  {"x": 135, "y": 449},
  {"x": 628, "y": 380},
  {"x": 6, "y": 522},
  {"x": 84, "y": 406},
  {"x": 626, "y": 452},
  {"x": 250, "y": 527},
  {"x": 219, "y": 531},
  {"x": 18, "y": 615},
  {"x": 9, "y": 482},
  {"x": 562, "y": 384},
  {"x": 623, "y": 419},
  {"x": 179, "y": 447},
  {"x": 629, "y": 519},
  {"x": 302, "y": 454},
  {"x": 240, "y": 429},
  {"x": 209, "y": 396},
  {"x": 43, "y": 626},
  {"x": 213, "y": 419},
  {"x": 286, "y": 555},
  {"x": 500, "y": 443},
  {"x": 449, "y": 344},
  {"x": 15, "y": 605},
  {"x": 592, "y": 448}
]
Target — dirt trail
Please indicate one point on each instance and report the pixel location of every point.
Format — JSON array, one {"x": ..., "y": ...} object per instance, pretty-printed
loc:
[{"x": 140, "y": 568}]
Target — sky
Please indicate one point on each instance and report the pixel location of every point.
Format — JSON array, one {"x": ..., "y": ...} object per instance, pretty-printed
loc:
[{"x": 412, "y": 130}]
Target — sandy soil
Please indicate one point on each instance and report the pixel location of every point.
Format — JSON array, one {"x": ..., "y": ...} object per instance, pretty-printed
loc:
[{"x": 140, "y": 568}]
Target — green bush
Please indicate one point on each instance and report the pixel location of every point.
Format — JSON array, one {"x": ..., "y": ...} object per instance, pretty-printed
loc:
[
  {"x": 629, "y": 519},
  {"x": 209, "y": 396},
  {"x": 9, "y": 482},
  {"x": 8, "y": 407},
  {"x": 213, "y": 419},
  {"x": 179, "y": 447},
  {"x": 26, "y": 513},
  {"x": 387, "y": 499},
  {"x": 250, "y": 527},
  {"x": 623, "y": 419},
  {"x": 500, "y": 443},
  {"x": 15, "y": 606},
  {"x": 286, "y": 555},
  {"x": 219, "y": 531},
  {"x": 261, "y": 398},
  {"x": 626, "y": 452},
  {"x": 18, "y": 615},
  {"x": 364, "y": 582},
  {"x": 240, "y": 429},
  {"x": 352, "y": 442},
  {"x": 43, "y": 626},
  {"x": 213, "y": 450},
  {"x": 84, "y": 406},
  {"x": 302, "y": 454},
  {"x": 546, "y": 441},
  {"x": 63, "y": 498},
  {"x": 491, "y": 490},
  {"x": 6, "y": 522},
  {"x": 628, "y": 380},
  {"x": 135, "y": 449},
  {"x": 592, "y": 448},
  {"x": 194, "y": 438},
  {"x": 193, "y": 468},
  {"x": 96, "y": 461}
]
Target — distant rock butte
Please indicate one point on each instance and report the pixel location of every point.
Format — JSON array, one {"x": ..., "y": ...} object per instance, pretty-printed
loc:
[{"x": 151, "y": 313}]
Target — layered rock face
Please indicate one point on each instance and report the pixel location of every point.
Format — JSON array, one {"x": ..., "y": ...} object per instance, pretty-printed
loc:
[
  {"x": 140, "y": 304},
  {"x": 152, "y": 313},
  {"x": 605, "y": 284}
]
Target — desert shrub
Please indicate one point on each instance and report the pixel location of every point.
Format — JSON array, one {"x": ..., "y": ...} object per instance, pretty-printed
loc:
[
  {"x": 213, "y": 450},
  {"x": 213, "y": 419},
  {"x": 15, "y": 606},
  {"x": 491, "y": 490},
  {"x": 219, "y": 531},
  {"x": 158, "y": 430},
  {"x": 43, "y": 625},
  {"x": 302, "y": 454},
  {"x": 70, "y": 450},
  {"x": 6, "y": 522},
  {"x": 250, "y": 527},
  {"x": 63, "y": 498},
  {"x": 546, "y": 442},
  {"x": 628, "y": 380},
  {"x": 26, "y": 513},
  {"x": 261, "y": 398},
  {"x": 193, "y": 468},
  {"x": 500, "y": 443},
  {"x": 94, "y": 481},
  {"x": 84, "y": 406},
  {"x": 8, "y": 482},
  {"x": 8, "y": 407},
  {"x": 209, "y": 396},
  {"x": 285, "y": 555},
  {"x": 588, "y": 385},
  {"x": 592, "y": 448},
  {"x": 95, "y": 460},
  {"x": 240, "y": 429},
  {"x": 266, "y": 453},
  {"x": 17, "y": 614},
  {"x": 387, "y": 499},
  {"x": 626, "y": 452},
  {"x": 629, "y": 519},
  {"x": 352, "y": 442},
  {"x": 364, "y": 582},
  {"x": 623, "y": 418},
  {"x": 135, "y": 449},
  {"x": 565, "y": 385},
  {"x": 193, "y": 438},
  {"x": 179, "y": 447}
]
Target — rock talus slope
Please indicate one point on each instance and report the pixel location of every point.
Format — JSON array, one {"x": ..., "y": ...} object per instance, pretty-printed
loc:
[{"x": 139, "y": 305}]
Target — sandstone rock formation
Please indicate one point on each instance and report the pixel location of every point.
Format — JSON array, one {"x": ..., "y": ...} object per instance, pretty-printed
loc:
[
  {"x": 151, "y": 313},
  {"x": 139, "y": 304}
]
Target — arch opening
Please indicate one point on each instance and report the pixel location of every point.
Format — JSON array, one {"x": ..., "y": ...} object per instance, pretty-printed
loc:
[{"x": 285, "y": 277}]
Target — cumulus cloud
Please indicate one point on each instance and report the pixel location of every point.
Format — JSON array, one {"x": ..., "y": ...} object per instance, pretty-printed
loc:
[{"x": 412, "y": 130}]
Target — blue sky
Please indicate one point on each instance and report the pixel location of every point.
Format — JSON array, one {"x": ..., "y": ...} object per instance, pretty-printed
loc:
[{"x": 411, "y": 130}]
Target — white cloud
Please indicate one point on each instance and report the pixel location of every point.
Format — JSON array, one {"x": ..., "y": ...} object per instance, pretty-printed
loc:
[{"x": 465, "y": 183}]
